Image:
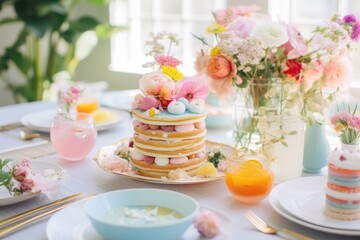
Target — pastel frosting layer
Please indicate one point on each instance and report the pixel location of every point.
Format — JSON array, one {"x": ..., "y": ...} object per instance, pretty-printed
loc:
[
  {"x": 345, "y": 159},
  {"x": 166, "y": 118}
]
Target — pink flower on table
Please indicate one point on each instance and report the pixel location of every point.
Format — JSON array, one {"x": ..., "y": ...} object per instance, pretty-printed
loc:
[
  {"x": 221, "y": 69},
  {"x": 21, "y": 170},
  {"x": 225, "y": 16},
  {"x": 207, "y": 223},
  {"x": 341, "y": 116},
  {"x": 27, "y": 185},
  {"x": 338, "y": 74},
  {"x": 192, "y": 88},
  {"x": 296, "y": 46},
  {"x": 242, "y": 26},
  {"x": 167, "y": 61}
]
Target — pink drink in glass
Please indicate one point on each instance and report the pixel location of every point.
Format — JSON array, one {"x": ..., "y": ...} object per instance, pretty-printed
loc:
[{"x": 73, "y": 139}]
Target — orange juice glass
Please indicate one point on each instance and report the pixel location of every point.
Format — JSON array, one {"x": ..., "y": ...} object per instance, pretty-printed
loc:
[
  {"x": 249, "y": 178},
  {"x": 87, "y": 105}
]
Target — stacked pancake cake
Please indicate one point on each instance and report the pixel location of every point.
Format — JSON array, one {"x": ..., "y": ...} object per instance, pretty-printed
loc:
[
  {"x": 343, "y": 186},
  {"x": 169, "y": 125}
]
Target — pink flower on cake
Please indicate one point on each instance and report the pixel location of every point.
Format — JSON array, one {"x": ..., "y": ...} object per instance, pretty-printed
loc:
[
  {"x": 152, "y": 82},
  {"x": 207, "y": 223},
  {"x": 192, "y": 88},
  {"x": 148, "y": 102},
  {"x": 167, "y": 61}
]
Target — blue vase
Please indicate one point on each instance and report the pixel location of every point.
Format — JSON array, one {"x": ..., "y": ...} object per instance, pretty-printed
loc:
[{"x": 316, "y": 148}]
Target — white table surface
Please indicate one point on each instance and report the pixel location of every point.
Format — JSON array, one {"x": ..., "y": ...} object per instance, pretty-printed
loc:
[{"x": 85, "y": 176}]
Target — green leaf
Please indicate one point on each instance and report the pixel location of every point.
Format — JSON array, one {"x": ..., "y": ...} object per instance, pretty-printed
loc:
[
  {"x": 4, "y": 162},
  {"x": 20, "y": 60},
  {"x": 99, "y": 2},
  {"x": 8, "y": 20},
  {"x": 83, "y": 24},
  {"x": 69, "y": 36},
  {"x": 105, "y": 30}
]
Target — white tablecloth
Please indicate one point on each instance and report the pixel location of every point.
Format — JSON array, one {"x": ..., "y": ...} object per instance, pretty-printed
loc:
[{"x": 85, "y": 176}]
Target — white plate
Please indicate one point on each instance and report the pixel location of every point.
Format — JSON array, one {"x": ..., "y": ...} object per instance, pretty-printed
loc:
[
  {"x": 42, "y": 120},
  {"x": 274, "y": 202},
  {"x": 305, "y": 199},
  {"x": 119, "y": 99},
  {"x": 72, "y": 223},
  {"x": 109, "y": 150},
  {"x": 37, "y": 167}
]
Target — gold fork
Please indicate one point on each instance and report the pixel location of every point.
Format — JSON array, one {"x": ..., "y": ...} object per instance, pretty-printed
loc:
[{"x": 266, "y": 228}]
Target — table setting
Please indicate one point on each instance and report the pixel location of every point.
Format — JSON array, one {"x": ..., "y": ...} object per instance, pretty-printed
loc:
[{"x": 147, "y": 164}]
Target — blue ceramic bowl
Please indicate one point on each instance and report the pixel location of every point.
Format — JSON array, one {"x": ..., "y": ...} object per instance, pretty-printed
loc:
[{"x": 99, "y": 207}]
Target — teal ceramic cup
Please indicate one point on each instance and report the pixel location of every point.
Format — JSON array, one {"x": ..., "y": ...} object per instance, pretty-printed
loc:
[{"x": 98, "y": 208}]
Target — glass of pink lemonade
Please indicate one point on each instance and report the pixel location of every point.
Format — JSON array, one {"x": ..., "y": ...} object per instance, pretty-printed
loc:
[{"x": 73, "y": 139}]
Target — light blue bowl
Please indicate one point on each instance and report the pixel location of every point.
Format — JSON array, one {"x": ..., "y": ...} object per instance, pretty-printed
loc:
[{"x": 98, "y": 207}]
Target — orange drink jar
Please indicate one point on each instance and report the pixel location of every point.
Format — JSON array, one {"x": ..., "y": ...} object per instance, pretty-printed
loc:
[
  {"x": 87, "y": 105},
  {"x": 249, "y": 178}
]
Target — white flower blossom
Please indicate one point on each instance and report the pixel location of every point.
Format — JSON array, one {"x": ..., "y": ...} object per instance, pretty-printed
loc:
[{"x": 271, "y": 34}]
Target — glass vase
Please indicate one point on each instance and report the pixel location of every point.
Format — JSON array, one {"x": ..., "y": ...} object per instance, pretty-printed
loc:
[
  {"x": 267, "y": 120},
  {"x": 316, "y": 148}
]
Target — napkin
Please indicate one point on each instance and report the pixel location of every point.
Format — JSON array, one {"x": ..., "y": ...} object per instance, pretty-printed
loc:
[{"x": 10, "y": 140}]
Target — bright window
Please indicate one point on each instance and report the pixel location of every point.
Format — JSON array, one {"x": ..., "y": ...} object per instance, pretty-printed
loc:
[
  {"x": 182, "y": 17},
  {"x": 192, "y": 16}
]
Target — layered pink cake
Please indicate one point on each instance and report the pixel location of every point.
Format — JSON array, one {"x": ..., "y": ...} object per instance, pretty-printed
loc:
[
  {"x": 169, "y": 126},
  {"x": 343, "y": 185}
]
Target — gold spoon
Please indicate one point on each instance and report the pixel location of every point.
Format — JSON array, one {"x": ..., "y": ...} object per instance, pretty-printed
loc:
[{"x": 28, "y": 135}]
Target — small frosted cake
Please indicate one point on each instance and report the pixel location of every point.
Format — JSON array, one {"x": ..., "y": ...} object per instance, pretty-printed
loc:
[
  {"x": 343, "y": 186},
  {"x": 169, "y": 126}
]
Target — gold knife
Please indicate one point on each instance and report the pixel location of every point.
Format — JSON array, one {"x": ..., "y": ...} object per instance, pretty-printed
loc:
[
  {"x": 11, "y": 219},
  {"x": 16, "y": 226}
]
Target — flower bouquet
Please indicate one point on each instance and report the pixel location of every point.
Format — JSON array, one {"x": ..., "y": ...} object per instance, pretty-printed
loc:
[
  {"x": 278, "y": 77},
  {"x": 347, "y": 123},
  {"x": 19, "y": 178}
]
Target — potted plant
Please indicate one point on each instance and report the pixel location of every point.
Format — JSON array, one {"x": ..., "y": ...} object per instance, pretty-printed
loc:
[{"x": 51, "y": 39}]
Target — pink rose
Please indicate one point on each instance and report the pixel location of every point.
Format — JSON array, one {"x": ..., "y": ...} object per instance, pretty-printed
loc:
[
  {"x": 21, "y": 170},
  {"x": 151, "y": 82},
  {"x": 242, "y": 26},
  {"x": 221, "y": 69},
  {"x": 27, "y": 185}
]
